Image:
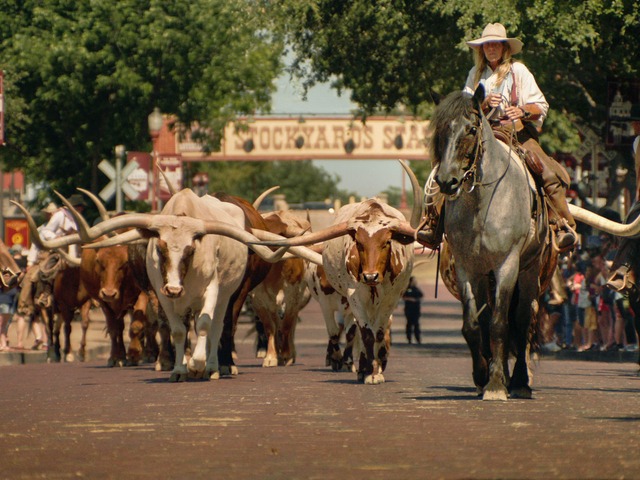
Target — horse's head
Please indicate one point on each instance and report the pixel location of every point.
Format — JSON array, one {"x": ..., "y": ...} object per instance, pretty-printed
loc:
[{"x": 456, "y": 128}]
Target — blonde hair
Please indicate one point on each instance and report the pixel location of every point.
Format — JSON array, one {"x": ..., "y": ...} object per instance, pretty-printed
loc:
[{"x": 481, "y": 64}]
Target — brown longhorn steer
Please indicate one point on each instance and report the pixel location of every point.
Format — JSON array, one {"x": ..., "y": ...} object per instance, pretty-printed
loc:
[{"x": 279, "y": 298}]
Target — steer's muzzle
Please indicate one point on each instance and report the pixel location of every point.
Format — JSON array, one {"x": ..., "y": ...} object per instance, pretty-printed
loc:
[
  {"x": 172, "y": 291},
  {"x": 371, "y": 278},
  {"x": 109, "y": 294}
]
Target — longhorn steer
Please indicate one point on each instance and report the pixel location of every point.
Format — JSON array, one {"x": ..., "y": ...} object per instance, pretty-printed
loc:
[
  {"x": 368, "y": 257},
  {"x": 193, "y": 265},
  {"x": 333, "y": 305},
  {"x": 279, "y": 298}
]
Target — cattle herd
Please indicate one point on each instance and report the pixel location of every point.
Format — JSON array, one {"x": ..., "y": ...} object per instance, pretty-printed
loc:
[{"x": 188, "y": 271}]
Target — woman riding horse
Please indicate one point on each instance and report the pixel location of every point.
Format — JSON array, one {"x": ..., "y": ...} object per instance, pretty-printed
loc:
[{"x": 513, "y": 100}]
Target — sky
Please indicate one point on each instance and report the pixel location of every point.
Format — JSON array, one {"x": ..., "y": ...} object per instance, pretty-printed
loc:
[{"x": 325, "y": 101}]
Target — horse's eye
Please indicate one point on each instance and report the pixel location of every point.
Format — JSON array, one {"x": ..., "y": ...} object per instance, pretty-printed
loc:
[{"x": 473, "y": 130}]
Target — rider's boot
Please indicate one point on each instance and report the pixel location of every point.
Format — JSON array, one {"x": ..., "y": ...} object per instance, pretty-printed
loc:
[
  {"x": 431, "y": 229},
  {"x": 566, "y": 236}
]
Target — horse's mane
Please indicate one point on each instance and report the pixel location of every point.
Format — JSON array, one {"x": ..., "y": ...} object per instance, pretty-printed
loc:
[{"x": 455, "y": 105}]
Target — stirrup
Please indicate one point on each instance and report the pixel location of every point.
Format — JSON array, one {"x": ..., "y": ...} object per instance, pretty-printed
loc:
[{"x": 621, "y": 281}]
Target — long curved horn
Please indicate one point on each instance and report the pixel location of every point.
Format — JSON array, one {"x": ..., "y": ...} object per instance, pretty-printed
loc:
[
  {"x": 41, "y": 243},
  {"x": 416, "y": 212},
  {"x": 197, "y": 225},
  {"x": 172, "y": 189},
  {"x": 126, "y": 238},
  {"x": 258, "y": 201},
  {"x": 99, "y": 205},
  {"x": 328, "y": 233},
  {"x": 604, "y": 224},
  {"x": 302, "y": 252}
]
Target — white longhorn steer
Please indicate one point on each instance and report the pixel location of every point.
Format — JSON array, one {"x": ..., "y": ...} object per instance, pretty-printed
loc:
[{"x": 193, "y": 266}]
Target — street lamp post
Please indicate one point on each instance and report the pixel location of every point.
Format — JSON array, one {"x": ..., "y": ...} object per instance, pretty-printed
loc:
[
  {"x": 155, "y": 125},
  {"x": 120, "y": 157}
]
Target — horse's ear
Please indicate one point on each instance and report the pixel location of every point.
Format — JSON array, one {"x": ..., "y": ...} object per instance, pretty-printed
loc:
[
  {"x": 478, "y": 95},
  {"x": 437, "y": 98}
]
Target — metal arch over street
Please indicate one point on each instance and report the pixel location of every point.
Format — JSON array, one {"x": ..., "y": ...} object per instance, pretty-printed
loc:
[{"x": 308, "y": 138}]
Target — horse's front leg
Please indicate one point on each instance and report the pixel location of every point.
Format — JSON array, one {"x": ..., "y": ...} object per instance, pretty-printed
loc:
[
  {"x": 496, "y": 389},
  {"x": 472, "y": 333}
]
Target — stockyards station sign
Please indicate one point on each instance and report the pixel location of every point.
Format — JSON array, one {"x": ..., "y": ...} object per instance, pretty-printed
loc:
[{"x": 303, "y": 138}]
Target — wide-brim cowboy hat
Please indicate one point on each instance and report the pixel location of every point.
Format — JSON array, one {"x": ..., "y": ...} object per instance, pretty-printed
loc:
[
  {"x": 495, "y": 32},
  {"x": 77, "y": 200},
  {"x": 51, "y": 208}
]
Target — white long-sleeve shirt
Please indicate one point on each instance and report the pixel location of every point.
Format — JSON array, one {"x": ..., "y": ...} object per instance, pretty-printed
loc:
[{"x": 527, "y": 90}]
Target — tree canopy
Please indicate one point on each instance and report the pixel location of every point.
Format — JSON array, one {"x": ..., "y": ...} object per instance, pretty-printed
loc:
[
  {"x": 82, "y": 77},
  {"x": 390, "y": 53}
]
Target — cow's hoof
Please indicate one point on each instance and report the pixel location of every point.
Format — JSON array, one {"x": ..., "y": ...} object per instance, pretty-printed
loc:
[
  {"x": 495, "y": 395},
  {"x": 289, "y": 362},
  {"x": 479, "y": 390},
  {"x": 178, "y": 377},
  {"x": 213, "y": 375},
  {"x": 270, "y": 362},
  {"x": 374, "y": 379},
  {"x": 262, "y": 353},
  {"x": 522, "y": 392},
  {"x": 158, "y": 367},
  {"x": 82, "y": 355},
  {"x": 234, "y": 370}
]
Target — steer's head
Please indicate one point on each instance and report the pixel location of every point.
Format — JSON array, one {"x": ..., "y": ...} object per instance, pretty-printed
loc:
[
  {"x": 111, "y": 267},
  {"x": 173, "y": 250},
  {"x": 377, "y": 249}
]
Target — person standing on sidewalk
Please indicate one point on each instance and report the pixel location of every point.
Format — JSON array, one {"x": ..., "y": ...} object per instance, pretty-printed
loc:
[{"x": 412, "y": 297}]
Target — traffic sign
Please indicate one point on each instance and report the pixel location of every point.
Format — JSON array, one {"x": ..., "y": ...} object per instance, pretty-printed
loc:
[{"x": 109, "y": 170}]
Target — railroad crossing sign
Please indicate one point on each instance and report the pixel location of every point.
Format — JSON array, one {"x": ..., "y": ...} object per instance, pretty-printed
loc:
[{"x": 110, "y": 171}]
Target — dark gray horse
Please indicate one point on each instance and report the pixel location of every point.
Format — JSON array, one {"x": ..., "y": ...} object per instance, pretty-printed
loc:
[{"x": 496, "y": 228}]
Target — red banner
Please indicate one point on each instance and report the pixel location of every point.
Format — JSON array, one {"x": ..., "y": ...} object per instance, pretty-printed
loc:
[{"x": 16, "y": 232}]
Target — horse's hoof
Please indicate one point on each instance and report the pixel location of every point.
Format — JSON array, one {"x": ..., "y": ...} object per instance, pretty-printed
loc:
[
  {"x": 479, "y": 390},
  {"x": 178, "y": 377},
  {"x": 196, "y": 366},
  {"x": 522, "y": 392},
  {"x": 234, "y": 370},
  {"x": 69, "y": 358},
  {"x": 158, "y": 367},
  {"x": 262, "y": 353}
]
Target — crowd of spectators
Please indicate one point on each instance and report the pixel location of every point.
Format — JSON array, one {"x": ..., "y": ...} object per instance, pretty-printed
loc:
[{"x": 578, "y": 311}]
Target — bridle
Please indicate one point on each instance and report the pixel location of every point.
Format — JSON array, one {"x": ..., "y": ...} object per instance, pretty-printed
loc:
[{"x": 471, "y": 176}]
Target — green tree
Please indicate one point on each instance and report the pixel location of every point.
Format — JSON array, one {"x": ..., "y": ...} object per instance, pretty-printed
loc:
[
  {"x": 81, "y": 77},
  {"x": 300, "y": 181},
  {"x": 390, "y": 53}
]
